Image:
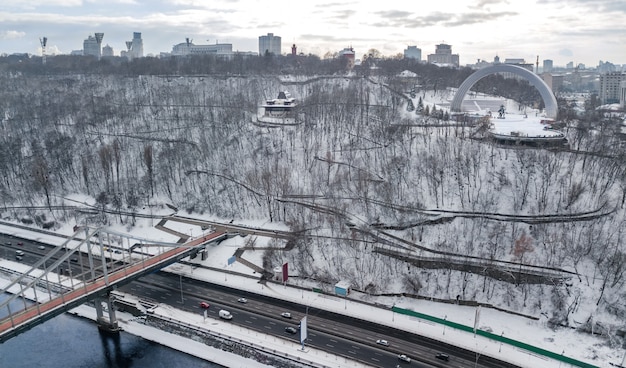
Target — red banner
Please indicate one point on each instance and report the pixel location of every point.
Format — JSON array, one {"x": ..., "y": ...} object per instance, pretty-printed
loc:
[{"x": 285, "y": 272}]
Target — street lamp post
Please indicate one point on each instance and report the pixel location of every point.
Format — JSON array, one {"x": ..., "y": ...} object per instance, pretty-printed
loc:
[
  {"x": 181, "y": 289},
  {"x": 478, "y": 354}
]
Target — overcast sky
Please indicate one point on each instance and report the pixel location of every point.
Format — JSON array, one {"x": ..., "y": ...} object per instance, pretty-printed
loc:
[{"x": 582, "y": 31}]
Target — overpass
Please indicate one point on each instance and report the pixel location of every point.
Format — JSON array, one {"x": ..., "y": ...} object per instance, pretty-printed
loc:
[{"x": 87, "y": 269}]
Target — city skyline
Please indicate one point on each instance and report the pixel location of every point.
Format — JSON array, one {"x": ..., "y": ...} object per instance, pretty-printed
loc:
[{"x": 479, "y": 29}]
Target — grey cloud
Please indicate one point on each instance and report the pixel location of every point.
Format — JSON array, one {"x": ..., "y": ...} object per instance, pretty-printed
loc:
[
  {"x": 10, "y": 35},
  {"x": 481, "y": 3},
  {"x": 404, "y": 19},
  {"x": 595, "y": 5},
  {"x": 566, "y": 52},
  {"x": 332, "y": 5},
  {"x": 329, "y": 38},
  {"x": 395, "y": 14},
  {"x": 473, "y": 18},
  {"x": 342, "y": 15}
]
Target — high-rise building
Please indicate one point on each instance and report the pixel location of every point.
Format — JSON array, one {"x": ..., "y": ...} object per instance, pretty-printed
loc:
[
  {"x": 107, "y": 50},
  {"x": 548, "y": 65},
  {"x": 269, "y": 44},
  {"x": 189, "y": 48},
  {"x": 412, "y": 52},
  {"x": 136, "y": 48},
  {"x": 91, "y": 47},
  {"x": 555, "y": 82},
  {"x": 610, "y": 87},
  {"x": 349, "y": 54},
  {"x": 443, "y": 55}
]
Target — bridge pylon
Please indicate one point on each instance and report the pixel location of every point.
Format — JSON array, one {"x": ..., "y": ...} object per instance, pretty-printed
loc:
[{"x": 108, "y": 323}]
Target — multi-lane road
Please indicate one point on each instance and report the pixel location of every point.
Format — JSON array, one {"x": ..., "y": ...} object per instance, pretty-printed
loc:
[{"x": 345, "y": 336}]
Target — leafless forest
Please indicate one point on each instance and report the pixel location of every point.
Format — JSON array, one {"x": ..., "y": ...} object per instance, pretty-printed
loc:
[{"x": 390, "y": 199}]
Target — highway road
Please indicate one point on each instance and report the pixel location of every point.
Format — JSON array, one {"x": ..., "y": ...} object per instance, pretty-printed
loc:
[{"x": 345, "y": 336}]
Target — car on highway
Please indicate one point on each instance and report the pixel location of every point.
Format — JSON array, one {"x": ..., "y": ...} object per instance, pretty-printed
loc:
[
  {"x": 442, "y": 356},
  {"x": 290, "y": 330},
  {"x": 41, "y": 247},
  {"x": 242, "y": 300},
  {"x": 382, "y": 342},
  {"x": 18, "y": 258},
  {"x": 404, "y": 358},
  {"x": 8, "y": 243},
  {"x": 224, "y": 314},
  {"x": 286, "y": 314},
  {"x": 20, "y": 243},
  {"x": 204, "y": 305}
]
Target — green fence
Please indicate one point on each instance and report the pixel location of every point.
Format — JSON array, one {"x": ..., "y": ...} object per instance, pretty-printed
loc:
[{"x": 499, "y": 338}]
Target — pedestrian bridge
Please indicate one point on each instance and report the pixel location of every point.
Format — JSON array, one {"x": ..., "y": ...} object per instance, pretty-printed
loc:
[{"x": 86, "y": 267}]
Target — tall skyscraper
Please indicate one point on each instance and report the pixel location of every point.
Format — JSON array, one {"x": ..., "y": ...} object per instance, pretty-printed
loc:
[
  {"x": 269, "y": 43},
  {"x": 91, "y": 46},
  {"x": 547, "y": 66},
  {"x": 412, "y": 52},
  {"x": 107, "y": 51},
  {"x": 610, "y": 88},
  {"x": 136, "y": 48}
]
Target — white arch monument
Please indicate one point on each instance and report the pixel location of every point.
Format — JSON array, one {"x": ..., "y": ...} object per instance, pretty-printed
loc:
[{"x": 544, "y": 90}]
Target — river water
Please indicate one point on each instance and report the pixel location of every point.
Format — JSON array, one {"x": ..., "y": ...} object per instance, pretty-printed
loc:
[{"x": 73, "y": 342}]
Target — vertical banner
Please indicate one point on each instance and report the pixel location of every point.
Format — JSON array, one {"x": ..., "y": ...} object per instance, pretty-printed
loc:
[
  {"x": 476, "y": 319},
  {"x": 285, "y": 272},
  {"x": 303, "y": 331}
]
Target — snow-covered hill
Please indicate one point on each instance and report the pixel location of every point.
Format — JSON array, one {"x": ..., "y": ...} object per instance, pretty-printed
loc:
[{"x": 391, "y": 200}]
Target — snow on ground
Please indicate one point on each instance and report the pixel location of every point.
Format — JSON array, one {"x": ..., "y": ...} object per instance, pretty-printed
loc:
[
  {"x": 533, "y": 332},
  {"x": 522, "y": 126}
]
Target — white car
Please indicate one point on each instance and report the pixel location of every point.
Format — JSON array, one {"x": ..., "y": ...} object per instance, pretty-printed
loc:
[
  {"x": 382, "y": 342},
  {"x": 242, "y": 300},
  {"x": 286, "y": 314},
  {"x": 404, "y": 358},
  {"x": 224, "y": 314}
]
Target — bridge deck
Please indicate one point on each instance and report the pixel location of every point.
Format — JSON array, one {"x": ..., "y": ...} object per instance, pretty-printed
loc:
[{"x": 25, "y": 319}]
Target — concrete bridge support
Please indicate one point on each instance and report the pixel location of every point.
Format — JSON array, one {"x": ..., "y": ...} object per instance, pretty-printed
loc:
[{"x": 106, "y": 324}]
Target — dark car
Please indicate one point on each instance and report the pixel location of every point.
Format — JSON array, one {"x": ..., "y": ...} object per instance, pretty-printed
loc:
[
  {"x": 442, "y": 356},
  {"x": 291, "y": 330}
]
